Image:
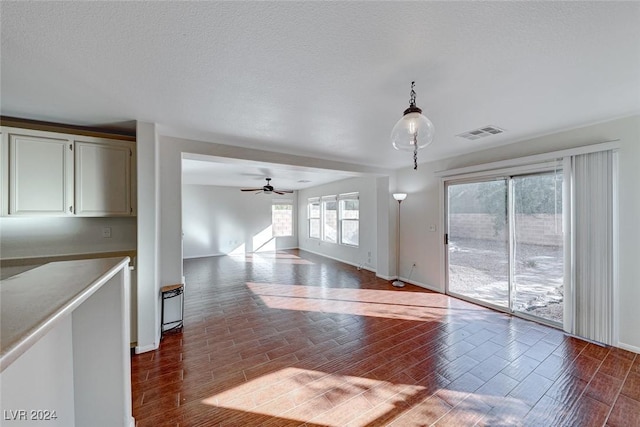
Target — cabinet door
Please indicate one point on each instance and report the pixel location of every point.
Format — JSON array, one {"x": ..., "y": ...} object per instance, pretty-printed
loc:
[
  {"x": 40, "y": 176},
  {"x": 103, "y": 179}
]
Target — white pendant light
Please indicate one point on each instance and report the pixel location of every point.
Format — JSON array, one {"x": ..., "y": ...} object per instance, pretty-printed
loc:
[{"x": 413, "y": 131}]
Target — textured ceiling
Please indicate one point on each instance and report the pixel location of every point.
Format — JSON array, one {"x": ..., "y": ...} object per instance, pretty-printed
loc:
[
  {"x": 207, "y": 170},
  {"x": 323, "y": 79}
]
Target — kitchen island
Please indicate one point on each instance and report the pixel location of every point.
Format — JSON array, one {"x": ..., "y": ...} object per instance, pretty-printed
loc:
[{"x": 64, "y": 345}]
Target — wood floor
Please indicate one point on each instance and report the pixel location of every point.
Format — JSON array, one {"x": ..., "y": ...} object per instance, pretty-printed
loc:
[{"x": 293, "y": 339}]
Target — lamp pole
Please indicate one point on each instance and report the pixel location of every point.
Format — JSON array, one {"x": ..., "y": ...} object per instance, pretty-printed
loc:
[{"x": 398, "y": 283}]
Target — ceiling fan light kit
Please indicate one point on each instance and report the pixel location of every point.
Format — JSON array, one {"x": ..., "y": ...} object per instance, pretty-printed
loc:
[
  {"x": 267, "y": 189},
  {"x": 413, "y": 131}
]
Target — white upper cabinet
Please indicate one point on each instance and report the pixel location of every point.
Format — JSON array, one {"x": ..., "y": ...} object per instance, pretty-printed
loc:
[
  {"x": 40, "y": 176},
  {"x": 103, "y": 179},
  {"x": 55, "y": 174}
]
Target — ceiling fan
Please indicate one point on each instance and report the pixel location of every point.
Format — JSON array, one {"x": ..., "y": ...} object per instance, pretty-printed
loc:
[{"x": 267, "y": 189}]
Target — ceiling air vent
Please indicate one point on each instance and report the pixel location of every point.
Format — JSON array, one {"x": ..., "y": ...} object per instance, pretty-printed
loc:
[{"x": 481, "y": 132}]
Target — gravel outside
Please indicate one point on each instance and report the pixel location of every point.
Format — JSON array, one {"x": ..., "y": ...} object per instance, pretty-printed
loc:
[{"x": 478, "y": 268}]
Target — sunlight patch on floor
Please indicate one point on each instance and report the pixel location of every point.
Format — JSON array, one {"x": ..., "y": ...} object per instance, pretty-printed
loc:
[
  {"x": 273, "y": 257},
  {"x": 313, "y": 396},
  {"x": 362, "y": 302},
  {"x": 321, "y": 398}
]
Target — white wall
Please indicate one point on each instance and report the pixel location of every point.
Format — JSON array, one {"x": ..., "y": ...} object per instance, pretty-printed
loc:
[
  {"x": 366, "y": 253},
  {"x": 419, "y": 210},
  {"x": 26, "y": 237},
  {"x": 386, "y": 231},
  {"x": 221, "y": 220},
  {"x": 148, "y": 289},
  {"x": 423, "y": 204}
]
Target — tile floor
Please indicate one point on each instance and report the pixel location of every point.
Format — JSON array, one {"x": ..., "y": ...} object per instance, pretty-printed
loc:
[{"x": 295, "y": 339}]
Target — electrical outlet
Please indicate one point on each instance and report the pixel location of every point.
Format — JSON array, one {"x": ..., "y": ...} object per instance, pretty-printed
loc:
[
  {"x": 106, "y": 232},
  {"x": 432, "y": 228}
]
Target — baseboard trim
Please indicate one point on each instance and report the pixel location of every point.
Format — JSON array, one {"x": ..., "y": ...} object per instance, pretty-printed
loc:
[
  {"x": 202, "y": 256},
  {"x": 423, "y": 285},
  {"x": 145, "y": 348},
  {"x": 629, "y": 347},
  {"x": 286, "y": 249},
  {"x": 153, "y": 346},
  {"x": 244, "y": 253},
  {"x": 360, "y": 266}
]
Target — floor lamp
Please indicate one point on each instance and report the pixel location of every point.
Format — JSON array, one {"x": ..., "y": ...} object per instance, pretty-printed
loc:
[{"x": 398, "y": 283}]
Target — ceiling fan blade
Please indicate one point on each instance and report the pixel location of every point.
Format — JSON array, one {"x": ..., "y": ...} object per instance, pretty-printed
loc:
[{"x": 267, "y": 189}]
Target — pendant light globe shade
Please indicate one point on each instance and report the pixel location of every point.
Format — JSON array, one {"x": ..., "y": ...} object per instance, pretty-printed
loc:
[{"x": 411, "y": 130}]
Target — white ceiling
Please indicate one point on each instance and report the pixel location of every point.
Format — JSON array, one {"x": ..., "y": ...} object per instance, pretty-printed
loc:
[
  {"x": 323, "y": 79},
  {"x": 206, "y": 170}
]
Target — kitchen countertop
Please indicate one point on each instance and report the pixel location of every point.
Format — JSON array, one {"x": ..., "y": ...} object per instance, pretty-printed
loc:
[
  {"x": 32, "y": 302},
  {"x": 11, "y": 266}
]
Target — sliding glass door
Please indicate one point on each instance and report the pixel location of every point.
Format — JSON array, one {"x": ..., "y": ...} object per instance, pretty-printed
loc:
[
  {"x": 505, "y": 243},
  {"x": 478, "y": 241},
  {"x": 538, "y": 268}
]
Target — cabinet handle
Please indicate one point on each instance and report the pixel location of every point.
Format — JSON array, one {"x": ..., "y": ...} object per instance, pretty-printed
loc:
[{"x": 71, "y": 209}]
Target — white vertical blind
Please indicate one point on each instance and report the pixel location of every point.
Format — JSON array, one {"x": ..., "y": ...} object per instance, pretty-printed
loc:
[
  {"x": 593, "y": 246},
  {"x": 568, "y": 244}
]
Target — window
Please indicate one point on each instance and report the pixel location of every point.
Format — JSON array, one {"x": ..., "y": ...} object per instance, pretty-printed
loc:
[
  {"x": 349, "y": 209},
  {"x": 330, "y": 219},
  {"x": 313, "y": 215},
  {"x": 335, "y": 219},
  {"x": 282, "y": 218}
]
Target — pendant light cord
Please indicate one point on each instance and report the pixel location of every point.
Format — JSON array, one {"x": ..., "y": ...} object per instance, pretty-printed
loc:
[{"x": 412, "y": 95}]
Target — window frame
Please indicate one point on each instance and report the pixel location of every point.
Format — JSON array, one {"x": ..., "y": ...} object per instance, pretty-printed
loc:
[
  {"x": 311, "y": 201},
  {"x": 283, "y": 202},
  {"x": 342, "y": 198}
]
